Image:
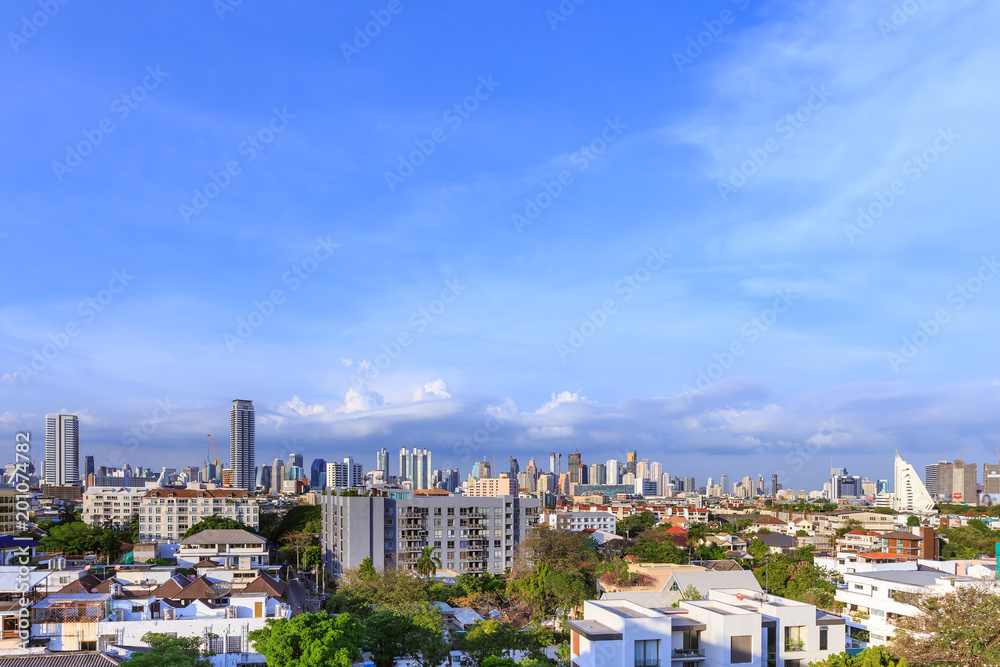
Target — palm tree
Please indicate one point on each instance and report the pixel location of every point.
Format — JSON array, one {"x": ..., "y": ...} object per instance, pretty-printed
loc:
[{"x": 428, "y": 563}]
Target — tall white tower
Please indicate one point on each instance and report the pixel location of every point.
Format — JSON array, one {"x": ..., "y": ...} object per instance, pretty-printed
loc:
[
  {"x": 62, "y": 450},
  {"x": 242, "y": 445}
]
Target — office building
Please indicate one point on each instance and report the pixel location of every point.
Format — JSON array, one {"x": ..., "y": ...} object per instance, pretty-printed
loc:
[
  {"x": 482, "y": 470},
  {"x": 242, "y": 444},
  {"x": 724, "y": 483},
  {"x": 263, "y": 481},
  {"x": 344, "y": 474},
  {"x": 991, "y": 478},
  {"x": 775, "y": 487},
  {"x": 468, "y": 534},
  {"x": 277, "y": 475},
  {"x": 88, "y": 466},
  {"x": 930, "y": 478},
  {"x": 514, "y": 468},
  {"x": 631, "y": 462},
  {"x": 317, "y": 474},
  {"x": 909, "y": 494},
  {"x": 957, "y": 482},
  {"x": 295, "y": 460},
  {"x": 555, "y": 464},
  {"x": 62, "y": 450}
]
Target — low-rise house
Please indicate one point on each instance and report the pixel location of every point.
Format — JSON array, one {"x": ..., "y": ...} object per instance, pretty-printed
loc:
[
  {"x": 729, "y": 627},
  {"x": 579, "y": 521},
  {"x": 859, "y": 540},
  {"x": 779, "y": 544},
  {"x": 229, "y": 548},
  {"x": 875, "y": 600}
]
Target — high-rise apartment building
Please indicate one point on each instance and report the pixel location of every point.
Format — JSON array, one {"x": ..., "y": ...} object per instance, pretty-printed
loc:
[
  {"x": 775, "y": 487},
  {"x": 469, "y": 534},
  {"x": 345, "y": 474},
  {"x": 404, "y": 464},
  {"x": 62, "y": 450},
  {"x": 242, "y": 444},
  {"x": 514, "y": 468},
  {"x": 295, "y": 460},
  {"x": 642, "y": 470},
  {"x": 420, "y": 468},
  {"x": 724, "y": 484},
  {"x": 382, "y": 462},
  {"x": 930, "y": 478},
  {"x": 612, "y": 471},
  {"x": 655, "y": 470},
  {"x": 598, "y": 474}
]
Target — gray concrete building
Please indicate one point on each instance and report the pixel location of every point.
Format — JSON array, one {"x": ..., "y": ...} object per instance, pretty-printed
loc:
[{"x": 469, "y": 534}]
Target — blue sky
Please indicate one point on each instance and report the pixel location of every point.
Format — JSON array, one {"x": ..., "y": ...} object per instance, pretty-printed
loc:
[{"x": 566, "y": 218}]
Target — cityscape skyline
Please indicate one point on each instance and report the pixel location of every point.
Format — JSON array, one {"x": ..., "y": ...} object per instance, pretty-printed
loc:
[{"x": 724, "y": 256}]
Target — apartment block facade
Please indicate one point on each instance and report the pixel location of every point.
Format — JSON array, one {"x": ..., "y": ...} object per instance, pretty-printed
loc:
[
  {"x": 469, "y": 534},
  {"x": 111, "y": 505},
  {"x": 166, "y": 514}
]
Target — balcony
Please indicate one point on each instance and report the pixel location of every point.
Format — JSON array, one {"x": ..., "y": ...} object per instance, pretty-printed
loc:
[
  {"x": 794, "y": 645},
  {"x": 647, "y": 663},
  {"x": 688, "y": 653}
]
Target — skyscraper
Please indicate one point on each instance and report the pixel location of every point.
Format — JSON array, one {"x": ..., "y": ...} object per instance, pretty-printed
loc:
[
  {"x": 514, "y": 468},
  {"x": 420, "y": 469},
  {"x": 612, "y": 471},
  {"x": 598, "y": 473},
  {"x": 775, "y": 487},
  {"x": 655, "y": 470},
  {"x": 404, "y": 465},
  {"x": 62, "y": 450},
  {"x": 555, "y": 464},
  {"x": 317, "y": 474},
  {"x": 88, "y": 467},
  {"x": 930, "y": 478},
  {"x": 295, "y": 460},
  {"x": 277, "y": 475},
  {"x": 382, "y": 462},
  {"x": 346, "y": 474},
  {"x": 242, "y": 444},
  {"x": 724, "y": 483},
  {"x": 575, "y": 468},
  {"x": 631, "y": 462}
]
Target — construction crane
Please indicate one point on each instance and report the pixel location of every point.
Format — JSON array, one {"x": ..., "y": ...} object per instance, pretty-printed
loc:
[{"x": 216, "y": 451}]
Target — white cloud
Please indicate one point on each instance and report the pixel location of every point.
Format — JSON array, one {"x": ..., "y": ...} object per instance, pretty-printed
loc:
[
  {"x": 548, "y": 432},
  {"x": 297, "y": 406},
  {"x": 433, "y": 389},
  {"x": 562, "y": 398},
  {"x": 363, "y": 400}
]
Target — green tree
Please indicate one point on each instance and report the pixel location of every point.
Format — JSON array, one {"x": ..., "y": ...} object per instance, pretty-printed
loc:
[
  {"x": 875, "y": 656},
  {"x": 912, "y": 521},
  {"x": 757, "y": 549},
  {"x": 492, "y": 638},
  {"x": 958, "y": 629},
  {"x": 361, "y": 593},
  {"x": 301, "y": 518},
  {"x": 634, "y": 524},
  {"x": 385, "y": 636},
  {"x": 298, "y": 541},
  {"x": 690, "y": 592},
  {"x": 656, "y": 546},
  {"x": 310, "y": 640},
  {"x": 72, "y": 538},
  {"x": 213, "y": 522},
  {"x": 428, "y": 563},
  {"x": 367, "y": 568},
  {"x": 312, "y": 557},
  {"x": 170, "y": 652}
]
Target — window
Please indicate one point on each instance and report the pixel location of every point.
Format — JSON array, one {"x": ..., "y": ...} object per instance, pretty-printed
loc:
[
  {"x": 822, "y": 639},
  {"x": 741, "y": 649},
  {"x": 647, "y": 653},
  {"x": 795, "y": 638},
  {"x": 215, "y": 644},
  {"x": 234, "y": 644},
  {"x": 88, "y": 646}
]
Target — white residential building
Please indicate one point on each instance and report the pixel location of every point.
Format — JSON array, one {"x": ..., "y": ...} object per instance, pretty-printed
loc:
[
  {"x": 228, "y": 548},
  {"x": 166, "y": 514},
  {"x": 875, "y": 600},
  {"x": 110, "y": 505},
  {"x": 344, "y": 474},
  {"x": 730, "y": 627},
  {"x": 577, "y": 521},
  {"x": 62, "y": 450}
]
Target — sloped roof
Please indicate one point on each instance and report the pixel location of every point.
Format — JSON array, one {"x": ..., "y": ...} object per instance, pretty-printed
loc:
[
  {"x": 227, "y": 536},
  {"x": 171, "y": 587},
  {"x": 648, "y": 599},
  {"x": 61, "y": 659},
  {"x": 675, "y": 530},
  {"x": 900, "y": 535},
  {"x": 776, "y": 540},
  {"x": 769, "y": 520},
  {"x": 199, "y": 589},
  {"x": 206, "y": 562},
  {"x": 709, "y": 579},
  {"x": 82, "y": 585},
  {"x": 265, "y": 583}
]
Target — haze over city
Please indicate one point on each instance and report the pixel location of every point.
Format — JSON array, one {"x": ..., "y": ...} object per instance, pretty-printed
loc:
[{"x": 721, "y": 234}]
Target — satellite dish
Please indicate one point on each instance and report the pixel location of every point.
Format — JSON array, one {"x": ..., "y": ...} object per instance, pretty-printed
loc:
[{"x": 220, "y": 589}]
